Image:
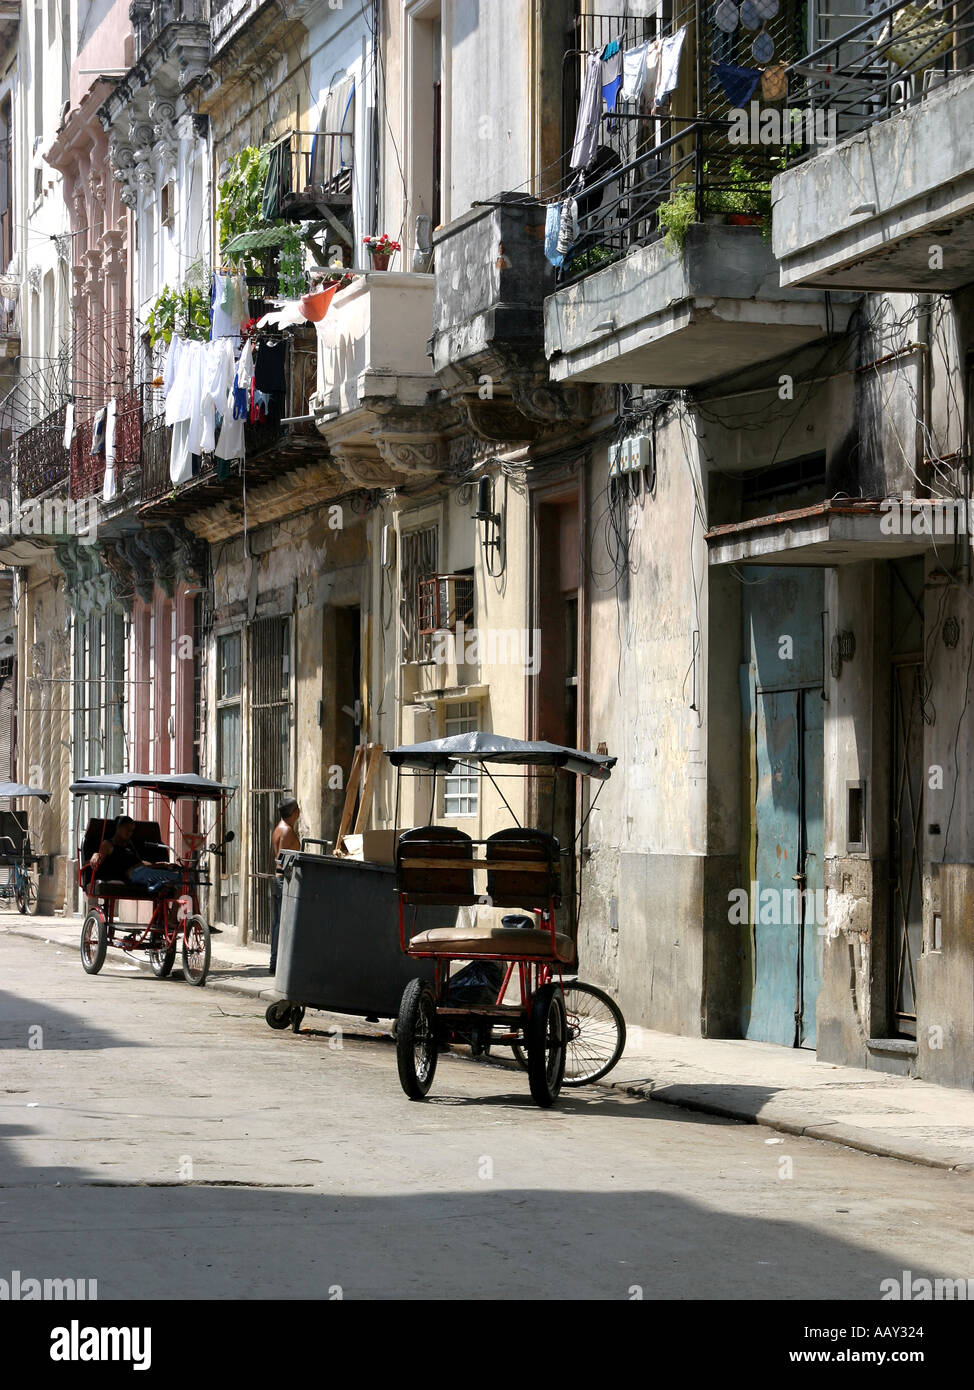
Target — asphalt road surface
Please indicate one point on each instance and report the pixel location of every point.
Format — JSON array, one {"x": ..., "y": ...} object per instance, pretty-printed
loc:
[{"x": 163, "y": 1141}]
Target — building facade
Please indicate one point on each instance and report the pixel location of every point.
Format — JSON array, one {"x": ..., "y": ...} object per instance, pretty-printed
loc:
[{"x": 652, "y": 437}]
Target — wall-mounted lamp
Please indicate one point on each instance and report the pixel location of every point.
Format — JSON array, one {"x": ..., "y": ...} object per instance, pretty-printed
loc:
[
  {"x": 843, "y": 648},
  {"x": 490, "y": 522}
]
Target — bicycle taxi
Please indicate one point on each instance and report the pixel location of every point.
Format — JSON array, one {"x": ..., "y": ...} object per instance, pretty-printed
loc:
[
  {"x": 15, "y": 851},
  {"x": 439, "y": 865},
  {"x": 162, "y": 913}
]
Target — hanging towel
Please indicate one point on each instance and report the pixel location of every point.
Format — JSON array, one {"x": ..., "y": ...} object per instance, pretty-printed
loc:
[
  {"x": 68, "y": 425},
  {"x": 634, "y": 73},
  {"x": 739, "y": 84},
  {"x": 589, "y": 114},
  {"x": 109, "y": 488},
  {"x": 611, "y": 77},
  {"x": 278, "y": 184},
  {"x": 98, "y": 434},
  {"x": 568, "y": 231},
  {"x": 669, "y": 69},
  {"x": 552, "y": 231}
]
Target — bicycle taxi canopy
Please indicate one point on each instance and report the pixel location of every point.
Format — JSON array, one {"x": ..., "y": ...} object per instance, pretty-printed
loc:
[
  {"x": 14, "y": 790},
  {"x": 174, "y": 786},
  {"x": 440, "y": 753}
]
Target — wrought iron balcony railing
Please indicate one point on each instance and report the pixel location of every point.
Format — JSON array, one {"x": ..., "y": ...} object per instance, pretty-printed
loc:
[
  {"x": 41, "y": 460},
  {"x": 311, "y": 171},
  {"x": 889, "y": 61},
  {"x": 88, "y": 470}
]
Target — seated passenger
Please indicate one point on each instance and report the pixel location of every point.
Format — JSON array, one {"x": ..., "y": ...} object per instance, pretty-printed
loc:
[{"x": 118, "y": 858}]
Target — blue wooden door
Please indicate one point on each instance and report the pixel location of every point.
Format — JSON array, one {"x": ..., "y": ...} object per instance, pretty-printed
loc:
[
  {"x": 786, "y": 893},
  {"x": 813, "y": 850}
]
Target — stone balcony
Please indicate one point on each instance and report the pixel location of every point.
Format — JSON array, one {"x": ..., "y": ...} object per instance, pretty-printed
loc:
[
  {"x": 488, "y": 324},
  {"x": 666, "y": 318},
  {"x": 376, "y": 401},
  {"x": 867, "y": 213}
]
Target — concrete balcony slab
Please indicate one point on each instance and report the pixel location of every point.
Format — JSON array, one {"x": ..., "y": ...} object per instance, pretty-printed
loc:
[
  {"x": 867, "y": 213},
  {"x": 666, "y": 319},
  {"x": 372, "y": 344}
]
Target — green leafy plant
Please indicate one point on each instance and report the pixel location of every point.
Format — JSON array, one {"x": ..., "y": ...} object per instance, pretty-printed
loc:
[
  {"x": 184, "y": 311},
  {"x": 675, "y": 217},
  {"x": 291, "y": 272},
  {"x": 591, "y": 259},
  {"x": 736, "y": 192},
  {"x": 240, "y": 193}
]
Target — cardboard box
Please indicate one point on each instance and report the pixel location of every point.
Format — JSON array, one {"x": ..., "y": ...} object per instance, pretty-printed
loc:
[{"x": 373, "y": 846}]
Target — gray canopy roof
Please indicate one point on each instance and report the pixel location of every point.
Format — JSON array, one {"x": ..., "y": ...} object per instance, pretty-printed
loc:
[
  {"x": 439, "y": 754},
  {"x": 16, "y": 789},
  {"x": 173, "y": 785}
]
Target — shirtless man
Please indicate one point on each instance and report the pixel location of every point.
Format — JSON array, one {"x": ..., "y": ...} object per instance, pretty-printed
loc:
[{"x": 284, "y": 837}]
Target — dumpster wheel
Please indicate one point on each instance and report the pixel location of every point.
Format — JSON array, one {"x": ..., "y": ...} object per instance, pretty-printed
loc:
[{"x": 278, "y": 1015}]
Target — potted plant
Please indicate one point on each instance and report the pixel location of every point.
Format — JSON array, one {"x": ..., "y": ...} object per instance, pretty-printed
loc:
[
  {"x": 675, "y": 216},
  {"x": 382, "y": 249}
]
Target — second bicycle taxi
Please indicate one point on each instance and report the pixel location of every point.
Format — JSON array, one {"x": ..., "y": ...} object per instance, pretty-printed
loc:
[
  {"x": 170, "y": 912},
  {"x": 522, "y": 866}
]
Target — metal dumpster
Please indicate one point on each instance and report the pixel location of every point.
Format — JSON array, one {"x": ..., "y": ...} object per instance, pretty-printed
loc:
[{"x": 338, "y": 947}]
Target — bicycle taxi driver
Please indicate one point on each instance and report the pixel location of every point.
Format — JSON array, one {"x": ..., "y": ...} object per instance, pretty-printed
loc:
[{"x": 118, "y": 859}]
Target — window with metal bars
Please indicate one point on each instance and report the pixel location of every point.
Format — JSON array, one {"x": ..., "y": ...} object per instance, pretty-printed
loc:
[
  {"x": 229, "y": 739},
  {"x": 269, "y": 671},
  {"x": 417, "y": 562},
  {"x": 444, "y": 601}
]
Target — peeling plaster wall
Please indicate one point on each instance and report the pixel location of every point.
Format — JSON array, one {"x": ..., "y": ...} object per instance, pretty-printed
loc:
[{"x": 648, "y": 885}]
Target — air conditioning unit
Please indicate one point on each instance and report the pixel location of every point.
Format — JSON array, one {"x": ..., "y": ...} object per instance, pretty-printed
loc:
[{"x": 444, "y": 601}]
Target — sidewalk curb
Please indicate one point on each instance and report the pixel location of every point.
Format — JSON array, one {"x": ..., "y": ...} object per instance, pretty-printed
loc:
[{"x": 667, "y": 1092}]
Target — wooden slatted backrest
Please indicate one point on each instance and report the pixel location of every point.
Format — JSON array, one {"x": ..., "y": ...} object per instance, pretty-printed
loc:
[
  {"x": 509, "y": 887},
  {"x": 453, "y": 883}
]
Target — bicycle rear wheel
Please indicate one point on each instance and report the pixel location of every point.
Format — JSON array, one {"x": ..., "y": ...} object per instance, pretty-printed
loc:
[{"x": 596, "y": 1034}]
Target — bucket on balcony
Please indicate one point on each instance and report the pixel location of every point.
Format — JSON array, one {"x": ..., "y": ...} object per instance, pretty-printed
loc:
[{"x": 315, "y": 304}]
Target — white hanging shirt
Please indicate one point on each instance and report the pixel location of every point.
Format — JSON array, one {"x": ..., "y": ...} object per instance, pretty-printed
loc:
[{"x": 110, "y": 488}]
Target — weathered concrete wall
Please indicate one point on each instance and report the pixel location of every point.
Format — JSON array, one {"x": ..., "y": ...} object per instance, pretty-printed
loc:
[{"x": 648, "y": 879}]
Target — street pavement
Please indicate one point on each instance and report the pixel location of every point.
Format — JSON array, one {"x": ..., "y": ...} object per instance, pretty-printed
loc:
[{"x": 164, "y": 1141}]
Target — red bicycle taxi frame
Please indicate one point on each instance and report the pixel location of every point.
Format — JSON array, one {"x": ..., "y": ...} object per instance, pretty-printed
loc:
[{"x": 481, "y": 748}]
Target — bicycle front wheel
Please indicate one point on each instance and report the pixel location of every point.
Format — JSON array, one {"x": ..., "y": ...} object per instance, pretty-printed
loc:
[{"x": 596, "y": 1034}]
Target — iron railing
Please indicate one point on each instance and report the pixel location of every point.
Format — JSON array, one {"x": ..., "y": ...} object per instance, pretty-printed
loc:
[
  {"x": 889, "y": 61},
  {"x": 680, "y": 149},
  {"x": 41, "y": 460},
  {"x": 87, "y": 469},
  {"x": 311, "y": 171},
  {"x": 156, "y": 444}
]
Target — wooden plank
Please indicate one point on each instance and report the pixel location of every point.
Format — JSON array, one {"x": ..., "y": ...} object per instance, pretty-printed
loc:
[
  {"x": 351, "y": 791},
  {"x": 368, "y": 791}
]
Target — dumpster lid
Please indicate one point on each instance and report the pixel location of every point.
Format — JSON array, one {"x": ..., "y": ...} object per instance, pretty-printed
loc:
[{"x": 441, "y": 753}]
